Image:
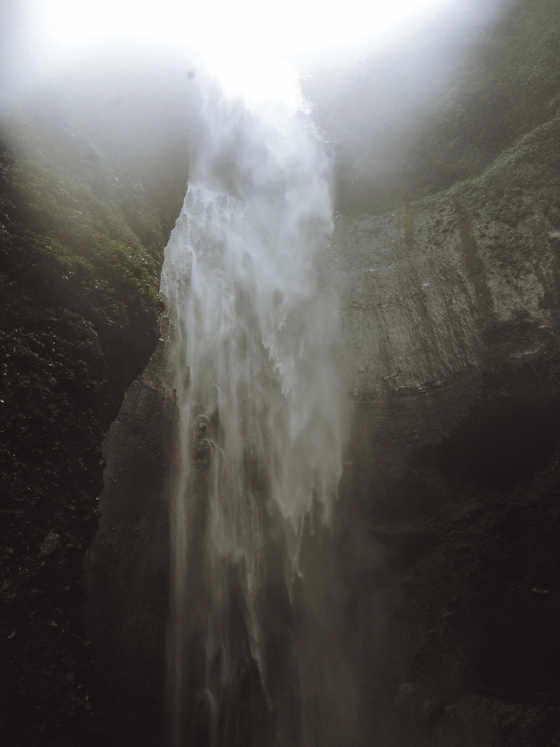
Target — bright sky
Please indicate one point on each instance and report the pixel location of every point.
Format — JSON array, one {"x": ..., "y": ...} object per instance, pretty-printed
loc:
[
  {"x": 244, "y": 42},
  {"x": 283, "y": 27}
]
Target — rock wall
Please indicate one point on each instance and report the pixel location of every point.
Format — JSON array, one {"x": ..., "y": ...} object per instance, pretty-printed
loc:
[
  {"x": 448, "y": 523},
  {"x": 443, "y": 601},
  {"x": 439, "y": 106},
  {"x": 444, "y": 597},
  {"x": 83, "y": 224},
  {"x": 127, "y": 565},
  {"x": 446, "y": 531}
]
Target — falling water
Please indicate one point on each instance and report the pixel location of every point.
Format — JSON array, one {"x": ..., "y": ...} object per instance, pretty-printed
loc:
[{"x": 253, "y": 353}]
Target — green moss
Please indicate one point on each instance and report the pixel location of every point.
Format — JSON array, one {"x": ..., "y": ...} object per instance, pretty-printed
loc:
[
  {"x": 510, "y": 89},
  {"x": 505, "y": 86},
  {"x": 81, "y": 246},
  {"x": 80, "y": 235},
  {"x": 523, "y": 181}
]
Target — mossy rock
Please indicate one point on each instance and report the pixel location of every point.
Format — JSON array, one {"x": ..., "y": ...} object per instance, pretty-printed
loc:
[{"x": 81, "y": 248}]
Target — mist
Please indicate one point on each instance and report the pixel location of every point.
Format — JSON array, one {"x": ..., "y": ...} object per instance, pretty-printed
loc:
[{"x": 360, "y": 268}]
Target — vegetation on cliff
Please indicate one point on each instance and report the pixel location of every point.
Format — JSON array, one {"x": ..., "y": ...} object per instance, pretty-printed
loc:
[
  {"x": 418, "y": 118},
  {"x": 82, "y": 233}
]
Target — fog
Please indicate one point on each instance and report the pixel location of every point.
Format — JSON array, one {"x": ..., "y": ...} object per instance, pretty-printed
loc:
[
  {"x": 374, "y": 79},
  {"x": 288, "y": 116}
]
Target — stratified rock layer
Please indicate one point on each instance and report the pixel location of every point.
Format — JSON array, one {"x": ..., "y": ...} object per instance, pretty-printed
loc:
[
  {"x": 441, "y": 601},
  {"x": 449, "y": 521},
  {"x": 446, "y": 531}
]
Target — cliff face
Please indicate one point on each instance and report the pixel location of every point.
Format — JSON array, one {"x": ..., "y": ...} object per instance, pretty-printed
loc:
[
  {"x": 127, "y": 565},
  {"x": 451, "y": 325},
  {"x": 447, "y": 528},
  {"x": 448, "y": 522},
  {"x": 83, "y": 226},
  {"x": 439, "y": 107}
]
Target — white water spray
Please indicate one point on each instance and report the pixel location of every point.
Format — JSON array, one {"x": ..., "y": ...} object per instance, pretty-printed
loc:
[{"x": 252, "y": 346}]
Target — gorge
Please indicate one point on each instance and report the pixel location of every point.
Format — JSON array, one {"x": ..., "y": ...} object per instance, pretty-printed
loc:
[{"x": 419, "y": 607}]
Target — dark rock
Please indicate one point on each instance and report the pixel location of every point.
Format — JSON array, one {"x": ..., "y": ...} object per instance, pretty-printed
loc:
[{"x": 81, "y": 246}]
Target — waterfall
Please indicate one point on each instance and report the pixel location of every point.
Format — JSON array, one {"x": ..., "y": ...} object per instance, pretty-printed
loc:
[{"x": 252, "y": 349}]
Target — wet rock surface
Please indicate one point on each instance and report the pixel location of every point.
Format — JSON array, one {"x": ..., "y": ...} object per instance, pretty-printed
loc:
[
  {"x": 442, "y": 604},
  {"x": 127, "y": 565},
  {"x": 81, "y": 245},
  {"x": 450, "y": 320},
  {"x": 447, "y": 528}
]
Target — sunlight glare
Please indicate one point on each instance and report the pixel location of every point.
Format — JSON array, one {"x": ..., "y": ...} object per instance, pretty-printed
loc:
[{"x": 291, "y": 27}]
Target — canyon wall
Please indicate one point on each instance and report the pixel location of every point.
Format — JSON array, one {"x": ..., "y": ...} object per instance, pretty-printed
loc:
[
  {"x": 445, "y": 252},
  {"x": 448, "y": 524},
  {"x": 85, "y": 214}
]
